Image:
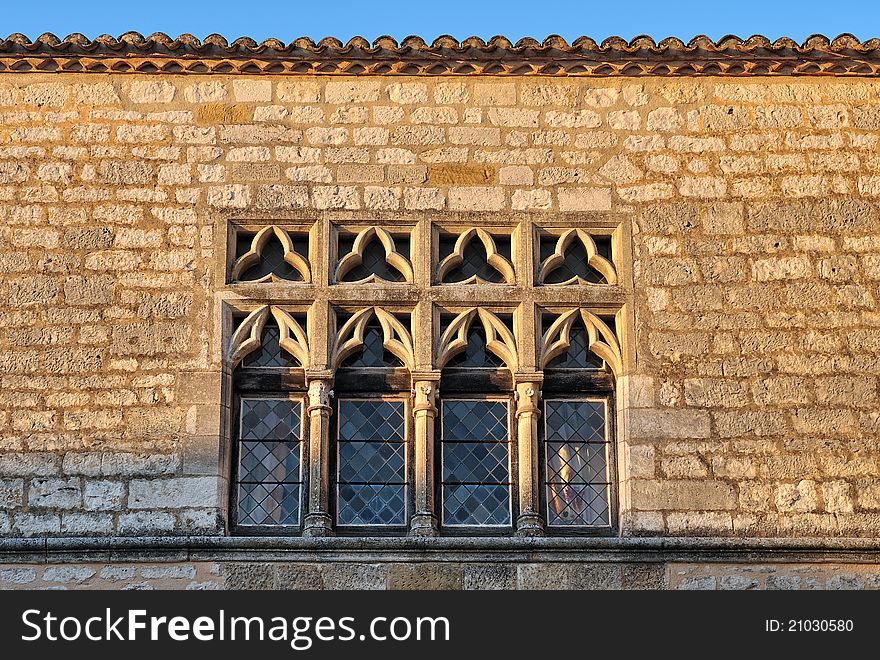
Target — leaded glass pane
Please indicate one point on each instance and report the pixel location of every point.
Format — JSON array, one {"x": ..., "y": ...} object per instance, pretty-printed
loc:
[
  {"x": 368, "y": 462},
  {"x": 371, "y": 463},
  {"x": 578, "y": 505},
  {"x": 270, "y": 353},
  {"x": 474, "y": 419},
  {"x": 575, "y": 420},
  {"x": 269, "y": 461},
  {"x": 576, "y": 463},
  {"x": 475, "y": 462},
  {"x": 476, "y": 504},
  {"x": 268, "y": 504},
  {"x": 475, "y": 459},
  {"x": 371, "y": 420},
  {"x": 270, "y": 419},
  {"x": 269, "y": 472},
  {"x": 371, "y": 504},
  {"x": 570, "y": 462}
]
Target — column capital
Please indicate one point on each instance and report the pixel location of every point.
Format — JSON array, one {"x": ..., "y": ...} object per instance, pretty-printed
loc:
[
  {"x": 527, "y": 394},
  {"x": 534, "y": 377},
  {"x": 425, "y": 395},
  {"x": 319, "y": 395}
]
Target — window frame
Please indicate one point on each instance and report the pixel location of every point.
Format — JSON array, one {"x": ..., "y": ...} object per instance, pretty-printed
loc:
[
  {"x": 590, "y": 394},
  {"x": 237, "y": 528},
  {"x": 425, "y": 299},
  {"x": 512, "y": 463},
  {"x": 333, "y": 460}
]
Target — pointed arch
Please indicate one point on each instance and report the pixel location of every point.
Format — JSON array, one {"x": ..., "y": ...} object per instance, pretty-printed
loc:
[
  {"x": 594, "y": 259},
  {"x": 396, "y": 339},
  {"x": 247, "y": 337},
  {"x": 292, "y": 337},
  {"x": 392, "y": 257},
  {"x": 499, "y": 339},
  {"x": 602, "y": 340},
  {"x": 255, "y": 253}
]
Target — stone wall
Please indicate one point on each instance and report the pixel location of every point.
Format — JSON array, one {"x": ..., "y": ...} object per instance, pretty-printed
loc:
[
  {"x": 750, "y": 206},
  {"x": 403, "y": 576}
]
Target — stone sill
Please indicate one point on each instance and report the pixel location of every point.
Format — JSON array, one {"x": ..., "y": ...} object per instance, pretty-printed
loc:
[{"x": 437, "y": 549}]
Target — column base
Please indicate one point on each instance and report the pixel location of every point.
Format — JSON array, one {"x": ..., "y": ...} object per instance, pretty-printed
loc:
[
  {"x": 317, "y": 524},
  {"x": 423, "y": 524},
  {"x": 529, "y": 524}
]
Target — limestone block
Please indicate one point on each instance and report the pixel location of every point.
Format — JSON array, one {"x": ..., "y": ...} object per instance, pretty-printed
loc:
[
  {"x": 172, "y": 493},
  {"x": 655, "y": 424}
]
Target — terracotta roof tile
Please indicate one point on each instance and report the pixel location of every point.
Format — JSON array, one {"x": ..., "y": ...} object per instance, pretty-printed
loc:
[{"x": 844, "y": 55}]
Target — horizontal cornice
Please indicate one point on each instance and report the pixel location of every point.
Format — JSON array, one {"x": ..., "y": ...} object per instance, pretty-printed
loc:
[
  {"x": 443, "y": 549},
  {"x": 158, "y": 53}
]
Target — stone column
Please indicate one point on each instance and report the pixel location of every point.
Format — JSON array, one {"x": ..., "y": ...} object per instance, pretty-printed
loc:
[
  {"x": 424, "y": 520},
  {"x": 530, "y": 522},
  {"x": 318, "y": 521}
]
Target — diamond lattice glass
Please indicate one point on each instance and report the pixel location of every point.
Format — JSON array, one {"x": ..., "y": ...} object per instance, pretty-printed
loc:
[
  {"x": 269, "y": 472},
  {"x": 475, "y": 460},
  {"x": 371, "y": 463},
  {"x": 576, "y": 463}
]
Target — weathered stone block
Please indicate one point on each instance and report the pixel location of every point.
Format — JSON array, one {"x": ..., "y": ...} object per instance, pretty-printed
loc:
[
  {"x": 687, "y": 495},
  {"x": 426, "y": 576},
  {"x": 172, "y": 493},
  {"x": 652, "y": 423}
]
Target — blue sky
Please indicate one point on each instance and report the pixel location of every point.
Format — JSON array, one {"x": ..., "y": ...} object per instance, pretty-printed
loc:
[{"x": 514, "y": 18}]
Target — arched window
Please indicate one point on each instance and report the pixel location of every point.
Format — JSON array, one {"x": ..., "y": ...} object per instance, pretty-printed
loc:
[
  {"x": 577, "y": 459},
  {"x": 475, "y": 436},
  {"x": 422, "y": 379},
  {"x": 268, "y": 419},
  {"x": 370, "y": 426}
]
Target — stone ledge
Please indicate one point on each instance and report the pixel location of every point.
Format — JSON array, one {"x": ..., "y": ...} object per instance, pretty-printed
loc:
[{"x": 462, "y": 549}]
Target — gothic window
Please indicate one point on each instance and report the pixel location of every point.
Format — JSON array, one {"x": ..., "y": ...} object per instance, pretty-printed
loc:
[
  {"x": 371, "y": 431},
  {"x": 422, "y": 379},
  {"x": 268, "y": 350},
  {"x": 476, "y": 451},
  {"x": 576, "y": 454}
]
